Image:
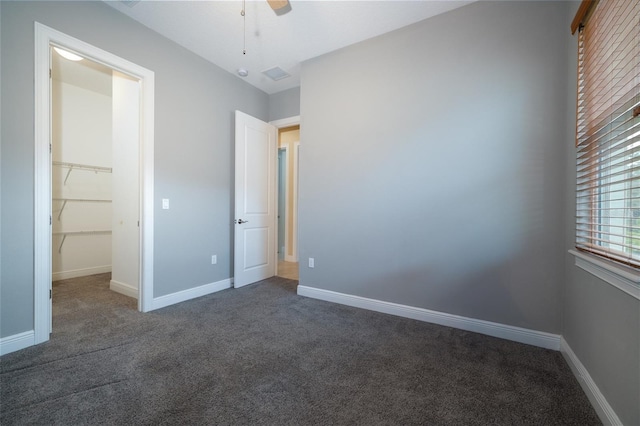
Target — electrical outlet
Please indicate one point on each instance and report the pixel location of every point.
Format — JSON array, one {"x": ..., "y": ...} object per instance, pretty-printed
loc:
[
  {"x": 214, "y": 259},
  {"x": 312, "y": 262},
  {"x": 165, "y": 204}
]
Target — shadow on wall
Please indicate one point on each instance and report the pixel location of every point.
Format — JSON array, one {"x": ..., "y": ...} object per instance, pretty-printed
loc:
[
  {"x": 475, "y": 247},
  {"x": 506, "y": 292}
]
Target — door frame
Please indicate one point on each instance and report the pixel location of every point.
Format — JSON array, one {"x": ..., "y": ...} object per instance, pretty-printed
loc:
[
  {"x": 281, "y": 124},
  {"x": 285, "y": 150},
  {"x": 45, "y": 37},
  {"x": 296, "y": 195}
]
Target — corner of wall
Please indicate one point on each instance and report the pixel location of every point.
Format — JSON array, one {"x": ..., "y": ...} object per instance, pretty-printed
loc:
[
  {"x": 570, "y": 128},
  {"x": 597, "y": 399},
  {"x": 284, "y": 104}
]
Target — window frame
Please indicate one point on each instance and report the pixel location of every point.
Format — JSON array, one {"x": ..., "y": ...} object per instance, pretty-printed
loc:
[
  {"x": 622, "y": 277},
  {"x": 613, "y": 271}
]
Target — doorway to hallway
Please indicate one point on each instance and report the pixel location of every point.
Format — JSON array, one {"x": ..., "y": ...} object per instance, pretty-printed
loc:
[
  {"x": 288, "y": 154},
  {"x": 288, "y": 270}
]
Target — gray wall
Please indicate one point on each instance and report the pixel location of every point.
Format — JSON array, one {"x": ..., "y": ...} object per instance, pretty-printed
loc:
[
  {"x": 0, "y": 164},
  {"x": 284, "y": 104},
  {"x": 194, "y": 104},
  {"x": 601, "y": 324},
  {"x": 431, "y": 162}
]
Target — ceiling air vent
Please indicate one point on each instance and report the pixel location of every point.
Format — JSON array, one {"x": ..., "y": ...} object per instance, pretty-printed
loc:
[{"x": 276, "y": 73}]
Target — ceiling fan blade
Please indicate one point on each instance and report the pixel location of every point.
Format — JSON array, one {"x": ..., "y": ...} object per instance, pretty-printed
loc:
[
  {"x": 277, "y": 4},
  {"x": 280, "y": 7}
]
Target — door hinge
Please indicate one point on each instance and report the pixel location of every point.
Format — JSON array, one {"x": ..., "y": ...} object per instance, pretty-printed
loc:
[
  {"x": 49, "y": 72},
  {"x": 138, "y": 224},
  {"x": 49, "y": 148},
  {"x": 49, "y": 293},
  {"x": 50, "y": 221}
]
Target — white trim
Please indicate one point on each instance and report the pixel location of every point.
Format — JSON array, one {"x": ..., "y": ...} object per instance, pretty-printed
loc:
[
  {"x": 286, "y": 200},
  {"x": 147, "y": 137},
  {"x": 42, "y": 190},
  {"x": 74, "y": 273},
  {"x": 619, "y": 276},
  {"x": 286, "y": 122},
  {"x": 191, "y": 293},
  {"x": 296, "y": 158},
  {"x": 44, "y": 38},
  {"x": 16, "y": 342},
  {"x": 122, "y": 288},
  {"x": 599, "y": 402},
  {"x": 509, "y": 332}
]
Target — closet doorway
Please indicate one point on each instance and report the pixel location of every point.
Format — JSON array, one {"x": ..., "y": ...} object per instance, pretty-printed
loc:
[
  {"x": 132, "y": 120},
  {"x": 94, "y": 176}
]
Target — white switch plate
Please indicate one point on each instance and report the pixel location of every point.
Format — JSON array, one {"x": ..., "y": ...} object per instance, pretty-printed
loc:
[
  {"x": 312, "y": 262},
  {"x": 165, "y": 204},
  {"x": 214, "y": 259}
]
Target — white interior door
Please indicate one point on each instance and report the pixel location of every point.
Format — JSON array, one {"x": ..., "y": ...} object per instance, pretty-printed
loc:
[
  {"x": 255, "y": 201},
  {"x": 125, "y": 206}
]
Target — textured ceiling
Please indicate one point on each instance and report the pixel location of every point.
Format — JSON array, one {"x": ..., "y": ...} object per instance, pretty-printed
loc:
[{"x": 214, "y": 30}]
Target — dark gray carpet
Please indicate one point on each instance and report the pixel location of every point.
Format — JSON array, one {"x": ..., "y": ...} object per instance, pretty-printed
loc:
[{"x": 261, "y": 355}]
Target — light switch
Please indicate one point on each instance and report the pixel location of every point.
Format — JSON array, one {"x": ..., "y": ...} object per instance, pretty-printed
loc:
[{"x": 165, "y": 204}]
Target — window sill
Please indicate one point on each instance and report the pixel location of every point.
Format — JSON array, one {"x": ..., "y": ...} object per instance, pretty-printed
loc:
[{"x": 621, "y": 277}]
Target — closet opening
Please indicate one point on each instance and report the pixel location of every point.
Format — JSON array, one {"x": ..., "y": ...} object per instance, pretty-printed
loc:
[{"x": 95, "y": 200}]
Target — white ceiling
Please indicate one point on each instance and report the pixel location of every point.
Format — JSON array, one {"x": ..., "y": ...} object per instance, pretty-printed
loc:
[{"x": 214, "y": 29}]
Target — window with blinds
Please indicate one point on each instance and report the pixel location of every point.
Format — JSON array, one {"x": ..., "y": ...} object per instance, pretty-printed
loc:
[{"x": 608, "y": 130}]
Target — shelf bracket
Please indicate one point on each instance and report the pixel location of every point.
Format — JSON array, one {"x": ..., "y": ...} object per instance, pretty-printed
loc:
[
  {"x": 64, "y": 203},
  {"x": 64, "y": 237},
  {"x": 68, "y": 173}
]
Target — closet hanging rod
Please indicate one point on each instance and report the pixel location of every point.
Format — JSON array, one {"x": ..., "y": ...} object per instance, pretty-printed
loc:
[
  {"x": 83, "y": 166},
  {"x": 87, "y": 200},
  {"x": 84, "y": 200},
  {"x": 82, "y": 233},
  {"x": 65, "y": 234},
  {"x": 77, "y": 166}
]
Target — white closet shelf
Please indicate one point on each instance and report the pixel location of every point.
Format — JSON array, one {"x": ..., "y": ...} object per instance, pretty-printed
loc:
[
  {"x": 82, "y": 233},
  {"x": 83, "y": 167},
  {"x": 77, "y": 166},
  {"x": 87, "y": 200},
  {"x": 81, "y": 200},
  {"x": 76, "y": 233}
]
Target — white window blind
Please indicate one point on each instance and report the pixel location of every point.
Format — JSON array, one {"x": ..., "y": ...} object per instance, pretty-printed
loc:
[{"x": 608, "y": 132}]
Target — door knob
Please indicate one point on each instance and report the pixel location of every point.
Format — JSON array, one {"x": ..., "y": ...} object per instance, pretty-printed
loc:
[{"x": 240, "y": 221}]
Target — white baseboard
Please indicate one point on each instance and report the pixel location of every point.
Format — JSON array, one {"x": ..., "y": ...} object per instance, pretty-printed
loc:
[
  {"x": 16, "y": 342},
  {"x": 599, "y": 402},
  {"x": 74, "y": 273},
  {"x": 122, "y": 288},
  {"x": 192, "y": 293},
  {"x": 517, "y": 334}
]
